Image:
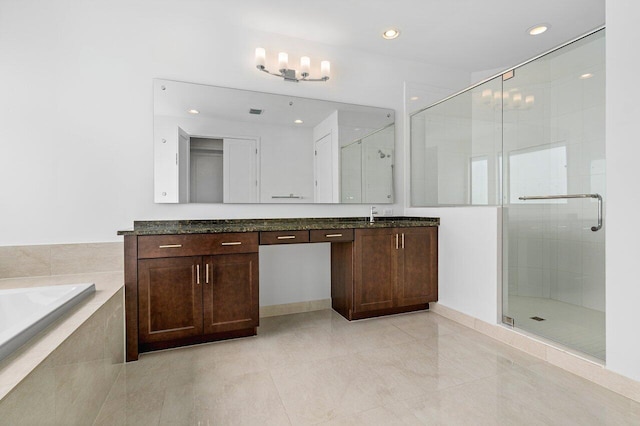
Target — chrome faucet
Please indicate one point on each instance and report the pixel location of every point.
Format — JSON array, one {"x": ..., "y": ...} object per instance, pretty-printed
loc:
[{"x": 372, "y": 214}]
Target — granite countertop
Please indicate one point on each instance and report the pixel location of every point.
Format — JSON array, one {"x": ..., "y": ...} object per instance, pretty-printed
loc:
[{"x": 163, "y": 227}]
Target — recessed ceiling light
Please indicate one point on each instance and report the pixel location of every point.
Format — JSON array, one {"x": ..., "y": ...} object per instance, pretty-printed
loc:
[
  {"x": 193, "y": 111},
  {"x": 538, "y": 29},
  {"x": 586, "y": 76},
  {"x": 414, "y": 98},
  {"x": 390, "y": 34},
  {"x": 298, "y": 121}
]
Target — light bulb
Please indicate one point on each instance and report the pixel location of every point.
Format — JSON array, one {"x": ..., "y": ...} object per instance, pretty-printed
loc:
[
  {"x": 261, "y": 58},
  {"x": 390, "y": 34},
  {"x": 325, "y": 69},
  {"x": 538, "y": 29},
  {"x": 283, "y": 61},
  {"x": 305, "y": 64}
]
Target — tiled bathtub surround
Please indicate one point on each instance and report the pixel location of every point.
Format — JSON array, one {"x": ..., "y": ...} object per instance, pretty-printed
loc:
[
  {"x": 63, "y": 375},
  {"x": 60, "y": 259},
  {"x": 69, "y": 385}
]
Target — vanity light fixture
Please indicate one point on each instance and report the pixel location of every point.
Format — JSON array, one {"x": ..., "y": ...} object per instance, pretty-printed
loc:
[
  {"x": 586, "y": 76},
  {"x": 291, "y": 74},
  {"x": 193, "y": 111},
  {"x": 538, "y": 29},
  {"x": 390, "y": 34},
  {"x": 298, "y": 121},
  {"x": 414, "y": 98}
]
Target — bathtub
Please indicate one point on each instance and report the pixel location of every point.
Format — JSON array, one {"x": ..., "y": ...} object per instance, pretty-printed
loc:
[{"x": 24, "y": 312}]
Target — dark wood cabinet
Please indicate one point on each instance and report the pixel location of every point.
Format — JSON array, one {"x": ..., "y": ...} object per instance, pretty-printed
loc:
[
  {"x": 187, "y": 288},
  {"x": 376, "y": 270},
  {"x": 230, "y": 295},
  {"x": 417, "y": 266},
  {"x": 184, "y": 299},
  {"x": 389, "y": 270},
  {"x": 169, "y": 298}
]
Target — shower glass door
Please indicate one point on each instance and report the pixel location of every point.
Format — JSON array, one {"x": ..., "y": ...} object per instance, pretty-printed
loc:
[{"x": 553, "y": 196}]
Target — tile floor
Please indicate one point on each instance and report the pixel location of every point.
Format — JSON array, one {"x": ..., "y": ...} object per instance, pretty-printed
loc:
[
  {"x": 577, "y": 327},
  {"x": 312, "y": 368}
]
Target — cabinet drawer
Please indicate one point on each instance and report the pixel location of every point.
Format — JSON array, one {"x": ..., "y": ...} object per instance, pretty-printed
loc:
[
  {"x": 155, "y": 246},
  {"x": 331, "y": 235},
  {"x": 284, "y": 237}
]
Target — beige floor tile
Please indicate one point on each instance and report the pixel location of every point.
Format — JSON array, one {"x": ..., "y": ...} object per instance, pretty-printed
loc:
[
  {"x": 320, "y": 391},
  {"x": 178, "y": 406},
  {"x": 241, "y": 399},
  {"x": 317, "y": 368},
  {"x": 410, "y": 370},
  {"x": 392, "y": 414}
]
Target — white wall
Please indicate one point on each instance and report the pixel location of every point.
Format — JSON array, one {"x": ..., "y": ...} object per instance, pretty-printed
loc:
[
  {"x": 623, "y": 175},
  {"x": 76, "y": 112},
  {"x": 77, "y": 108},
  {"x": 468, "y": 259}
]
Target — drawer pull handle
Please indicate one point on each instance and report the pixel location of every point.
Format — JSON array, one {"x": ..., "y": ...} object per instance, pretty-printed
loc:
[
  {"x": 287, "y": 237},
  {"x": 170, "y": 246},
  {"x": 232, "y": 243},
  {"x": 332, "y": 235},
  {"x": 197, "y": 274}
]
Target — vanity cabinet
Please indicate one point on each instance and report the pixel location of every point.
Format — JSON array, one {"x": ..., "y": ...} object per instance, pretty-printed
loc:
[
  {"x": 230, "y": 293},
  {"x": 417, "y": 270},
  {"x": 170, "y": 299},
  {"x": 376, "y": 270},
  {"x": 190, "y": 299},
  {"x": 192, "y": 282},
  {"x": 389, "y": 270}
]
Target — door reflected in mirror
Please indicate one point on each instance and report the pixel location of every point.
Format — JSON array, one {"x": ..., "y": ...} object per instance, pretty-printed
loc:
[{"x": 222, "y": 145}]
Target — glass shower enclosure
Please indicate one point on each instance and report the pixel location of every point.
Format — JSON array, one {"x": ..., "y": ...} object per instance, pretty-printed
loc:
[{"x": 531, "y": 140}]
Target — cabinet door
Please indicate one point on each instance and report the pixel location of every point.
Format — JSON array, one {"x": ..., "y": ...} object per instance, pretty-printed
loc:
[
  {"x": 418, "y": 266},
  {"x": 230, "y": 293},
  {"x": 169, "y": 298},
  {"x": 375, "y": 269}
]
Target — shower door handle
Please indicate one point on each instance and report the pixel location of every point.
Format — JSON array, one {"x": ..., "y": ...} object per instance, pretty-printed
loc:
[{"x": 557, "y": 197}]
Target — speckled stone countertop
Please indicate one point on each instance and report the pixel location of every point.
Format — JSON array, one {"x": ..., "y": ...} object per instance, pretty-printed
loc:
[{"x": 163, "y": 227}]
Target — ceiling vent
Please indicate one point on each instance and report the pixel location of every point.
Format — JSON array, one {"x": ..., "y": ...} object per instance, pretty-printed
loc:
[{"x": 255, "y": 111}]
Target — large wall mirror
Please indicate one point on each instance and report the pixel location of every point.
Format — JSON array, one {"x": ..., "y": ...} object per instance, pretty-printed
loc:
[{"x": 221, "y": 145}]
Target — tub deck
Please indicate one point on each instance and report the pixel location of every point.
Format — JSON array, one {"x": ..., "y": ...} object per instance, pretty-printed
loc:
[{"x": 20, "y": 363}]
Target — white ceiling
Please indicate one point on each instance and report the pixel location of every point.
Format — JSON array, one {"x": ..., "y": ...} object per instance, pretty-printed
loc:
[{"x": 469, "y": 35}]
